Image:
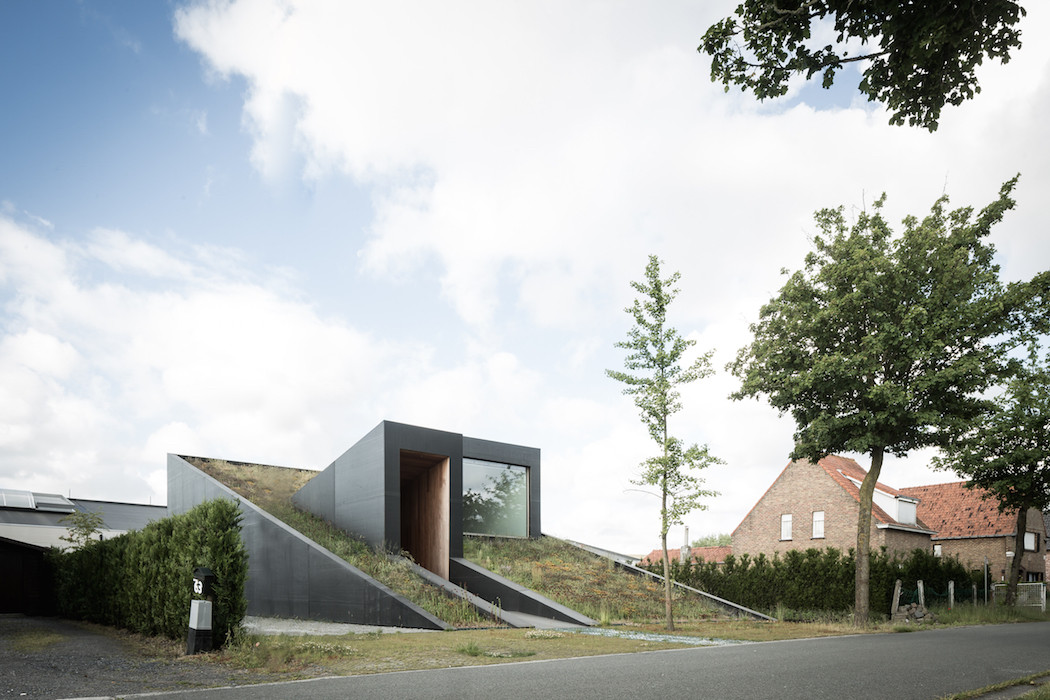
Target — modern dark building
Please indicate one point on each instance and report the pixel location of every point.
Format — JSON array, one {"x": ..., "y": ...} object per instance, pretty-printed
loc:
[
  {"x": 401, "y": 487},
  {"x": 420, "y": 490}
]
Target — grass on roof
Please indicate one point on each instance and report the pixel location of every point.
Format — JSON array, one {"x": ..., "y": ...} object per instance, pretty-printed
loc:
[
  {"x": 271, "y": 489},
  {"x": 583, "y": 581}
]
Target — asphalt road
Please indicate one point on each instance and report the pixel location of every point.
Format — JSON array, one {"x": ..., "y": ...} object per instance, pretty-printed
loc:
[{"x": 917, "y": 666}]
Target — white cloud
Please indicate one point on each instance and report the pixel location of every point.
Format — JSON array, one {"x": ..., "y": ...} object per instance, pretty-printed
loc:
[
  {"x": 549, "y": 157},
  {"x": 105, "y": 372},
  {"x": 122, "y": 253}
]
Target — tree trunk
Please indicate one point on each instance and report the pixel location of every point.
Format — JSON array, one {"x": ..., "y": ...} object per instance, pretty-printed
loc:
[
  {"x": 1015, "y": 564},
  {"x": 667, "y": 582},
  {"x": 665, "y": 525},
  {"x": 862, "y": 587}
]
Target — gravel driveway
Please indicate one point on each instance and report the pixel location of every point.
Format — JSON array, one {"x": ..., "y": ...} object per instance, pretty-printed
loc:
[{"x": 78, "y": 661}]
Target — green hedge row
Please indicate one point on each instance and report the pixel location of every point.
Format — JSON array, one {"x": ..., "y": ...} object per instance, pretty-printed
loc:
[
  {"x": 143, "y": 580},
  {"x": 816, "y": 580}
]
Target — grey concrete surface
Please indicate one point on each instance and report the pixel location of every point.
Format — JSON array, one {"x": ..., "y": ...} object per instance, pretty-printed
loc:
[
  {"x": 281, "y": 625},
  {"x": 916, "y": 666}
]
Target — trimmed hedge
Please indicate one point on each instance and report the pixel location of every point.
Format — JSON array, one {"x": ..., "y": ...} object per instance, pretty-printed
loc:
[
  {"x": 816, "y": 580},
  {"x": 143, "y": 580}
]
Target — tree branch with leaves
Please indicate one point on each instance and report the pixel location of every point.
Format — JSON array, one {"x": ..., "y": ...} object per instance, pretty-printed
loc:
[
  {"x": 81, "y": 528},
  {"x": 924, "y": 55}
]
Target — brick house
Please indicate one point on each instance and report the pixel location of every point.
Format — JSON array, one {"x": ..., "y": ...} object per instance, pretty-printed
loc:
[
  {"x": 816, "y": 505},
  {"x": 971, "y": 527}
]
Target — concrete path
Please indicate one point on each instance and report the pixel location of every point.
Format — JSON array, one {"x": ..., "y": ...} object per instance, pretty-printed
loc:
[
  {"x": 520, "y": 619},
  {"x": 282, "y": 625}
]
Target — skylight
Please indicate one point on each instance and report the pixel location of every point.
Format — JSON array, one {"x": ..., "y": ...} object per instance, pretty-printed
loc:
[
  {"x": 50, "y": 502},
  {"x": 10, "y": 498}
]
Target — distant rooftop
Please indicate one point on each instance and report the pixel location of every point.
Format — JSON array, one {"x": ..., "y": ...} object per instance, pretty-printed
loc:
[
  {"x": 28, "y": 500},
  {"x": 21, "y": 509}
]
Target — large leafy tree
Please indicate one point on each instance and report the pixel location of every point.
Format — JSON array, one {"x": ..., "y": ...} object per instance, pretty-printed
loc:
[
  {"x": 1007, "y": 454},
  {"x": 882, "y": 344},
  {"x": 654, "y": 373},
  {"x": 919, "y": 56}
]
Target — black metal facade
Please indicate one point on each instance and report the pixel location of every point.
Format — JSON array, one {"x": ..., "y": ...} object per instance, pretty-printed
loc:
[{"x": 360, "y": 491}]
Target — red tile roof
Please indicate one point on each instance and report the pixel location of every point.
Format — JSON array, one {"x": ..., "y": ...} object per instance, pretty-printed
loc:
[
  {"x": 956, "y": 511},
  {"x": 842, "y": 469},
  {"x": 708, "y": 554}
]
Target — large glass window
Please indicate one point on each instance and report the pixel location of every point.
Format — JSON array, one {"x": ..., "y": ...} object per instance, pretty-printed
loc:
[
  {"x": 495, "y": 499},
  {"x": 785, "y": 526}
]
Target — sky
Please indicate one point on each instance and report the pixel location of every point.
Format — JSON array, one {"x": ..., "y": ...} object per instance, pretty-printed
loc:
[{"x": 254, "y": 230}]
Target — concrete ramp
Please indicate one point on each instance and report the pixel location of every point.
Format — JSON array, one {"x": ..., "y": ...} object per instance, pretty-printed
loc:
[{"x": 516, "y": 605}]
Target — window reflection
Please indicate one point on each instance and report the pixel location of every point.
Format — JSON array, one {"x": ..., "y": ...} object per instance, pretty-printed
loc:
[{"x": 495, "y": 499}]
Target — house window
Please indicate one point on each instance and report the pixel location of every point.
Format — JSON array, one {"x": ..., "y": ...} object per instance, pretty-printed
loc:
[
  {"x": 785, "y": 526},
  {"x": 818, "y": 524},
  {"x": 937, "y": 550},
  {"x": 1031, "y": 541},
  {"x": 495, "y": 499}
]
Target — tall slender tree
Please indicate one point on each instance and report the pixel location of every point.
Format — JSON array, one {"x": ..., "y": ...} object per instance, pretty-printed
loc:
[
  {"x": 1007, "y": 454},
  {"x": 654, "y": 373},
  {"x": 882, "y": 344}
]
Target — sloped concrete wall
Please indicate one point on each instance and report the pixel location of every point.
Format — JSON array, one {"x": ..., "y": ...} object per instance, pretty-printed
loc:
[
  {"x": 508, "y": 595},
  {"x": 351, "y": 492},
  {"x": 290, "y": 575}
]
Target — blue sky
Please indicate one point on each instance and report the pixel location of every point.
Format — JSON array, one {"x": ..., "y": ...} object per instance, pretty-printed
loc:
[{"x": 254, "y": 230}]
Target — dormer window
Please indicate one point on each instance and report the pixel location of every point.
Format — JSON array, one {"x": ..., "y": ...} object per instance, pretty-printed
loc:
[
  {"x": 906, "y": 510},
  {"x": 900, "y": 508}
]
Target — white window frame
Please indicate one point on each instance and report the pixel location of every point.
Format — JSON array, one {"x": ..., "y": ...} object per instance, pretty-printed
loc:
[
  {"x": 818, "y": 525},
  {"x": 1032, "y": 537},
  {"x": 785, "y": 526}
]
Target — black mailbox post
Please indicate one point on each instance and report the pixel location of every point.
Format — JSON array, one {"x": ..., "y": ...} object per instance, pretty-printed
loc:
[
  {"x": 199, "y": 637},
  {"x": 203, "y": 582}
]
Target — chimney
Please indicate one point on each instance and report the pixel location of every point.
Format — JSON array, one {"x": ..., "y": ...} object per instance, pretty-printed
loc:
[{"x": 684, "y": 554}]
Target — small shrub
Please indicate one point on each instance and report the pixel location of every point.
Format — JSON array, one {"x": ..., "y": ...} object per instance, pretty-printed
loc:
[{"x": 471, "y": 648}]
